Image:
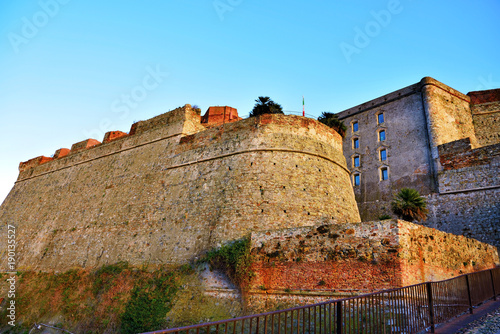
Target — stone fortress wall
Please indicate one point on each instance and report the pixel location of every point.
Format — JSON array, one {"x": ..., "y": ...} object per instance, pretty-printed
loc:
[
  {"x": 172, "y": 189},
  {"x": 439, "y": 141},
  {"x": 180, "y": 184}
]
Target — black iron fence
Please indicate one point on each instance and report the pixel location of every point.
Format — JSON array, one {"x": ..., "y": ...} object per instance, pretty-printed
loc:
[{"x": 403, "y": 310}]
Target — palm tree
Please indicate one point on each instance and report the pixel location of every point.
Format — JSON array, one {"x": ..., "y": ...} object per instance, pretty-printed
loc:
[
  {"x": 409, "y": 205},
  {"x": 332, "y": 120},
  {"x": 265, "y": 105}
]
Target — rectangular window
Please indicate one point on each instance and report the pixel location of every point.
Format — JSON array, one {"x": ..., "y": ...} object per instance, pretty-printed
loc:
[
  {"x": 356, "y": 161},
  {"x": 357, "y": 179},
  {"x": 355, "y": 143},
  {"x": 355, "y": 127},
  {"x": 384, "y": 174},
  {"x": 383, "y": 155},
  {"x": 381, "y": 135},
  {"x": 380, "y": 118}
]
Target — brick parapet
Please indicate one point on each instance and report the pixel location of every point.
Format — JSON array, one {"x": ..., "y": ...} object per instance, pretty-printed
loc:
[
  {"x": 484, "y": 96},
  {"x": 459, "y": 154},
  {"x": 181, "y": 121},
  {"x": 219, "y": 115},
  {"x": 26, "y": 165},
  {"x": 113, "y": 135}
]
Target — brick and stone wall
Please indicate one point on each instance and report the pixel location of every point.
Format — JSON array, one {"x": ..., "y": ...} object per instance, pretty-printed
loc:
[
  {"x": 464, "y": 168},
  {"x": 172, "y": 189},
  {"x": 363, "y": 257},
  {"x": 485, "y": 107},
  {"x": 308, "y": 264}
]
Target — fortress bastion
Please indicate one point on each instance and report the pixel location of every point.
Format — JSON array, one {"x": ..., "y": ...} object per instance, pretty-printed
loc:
[{"x": 172, "y": 188}]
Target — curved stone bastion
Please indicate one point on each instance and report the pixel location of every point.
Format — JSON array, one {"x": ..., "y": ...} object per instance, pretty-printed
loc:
[{"x": 171, "y": 189}]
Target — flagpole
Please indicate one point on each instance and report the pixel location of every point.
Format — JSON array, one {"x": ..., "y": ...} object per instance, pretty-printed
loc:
[{"x": 303, "y": 107}]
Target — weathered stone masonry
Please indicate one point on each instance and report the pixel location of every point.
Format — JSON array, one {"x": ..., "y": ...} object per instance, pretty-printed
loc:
[
  {"x": 333, "y": 260},
  {"x": 437, "y": 140},
  {"x": 176, "y": 186},
  {"x": 173, "y": 189}
]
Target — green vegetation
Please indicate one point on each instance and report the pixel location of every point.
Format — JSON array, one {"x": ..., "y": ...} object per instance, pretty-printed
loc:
[
  {"x": 409, "y": 205},
  {"x": 149, "y": 303},
  {"x": 233, "y": 258},
  {"x": 106, "y": 275},
  {"x": 332, "y": 120},
  {"x": 384, "y": 217},
  {"x": 113, "y": 298},
  {"x": 265, "y": 105}
]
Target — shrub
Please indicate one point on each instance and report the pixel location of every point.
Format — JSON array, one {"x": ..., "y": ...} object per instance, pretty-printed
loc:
[
  {"x": 332, "y": 120},
  {"x": 409, "y": 205},
  {"x": 234, "y": 258}
]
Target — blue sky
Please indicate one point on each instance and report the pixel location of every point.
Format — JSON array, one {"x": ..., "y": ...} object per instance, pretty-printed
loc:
[{"x": 73, "y": 69}]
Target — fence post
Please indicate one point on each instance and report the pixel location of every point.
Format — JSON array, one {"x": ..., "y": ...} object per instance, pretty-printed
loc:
[
  {"x": 468, "y": 293},
  {"x": 339, "y": 317},
  {"x": 493, "y": 285},
  {"x": 431, "y": 307}
]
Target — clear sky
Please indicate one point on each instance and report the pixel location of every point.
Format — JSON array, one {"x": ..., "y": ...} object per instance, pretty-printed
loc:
[{"x": 74, "y": 69}]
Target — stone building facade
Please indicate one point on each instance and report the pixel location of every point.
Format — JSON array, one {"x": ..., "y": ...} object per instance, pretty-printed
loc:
[{"x": 434, "y": 139}]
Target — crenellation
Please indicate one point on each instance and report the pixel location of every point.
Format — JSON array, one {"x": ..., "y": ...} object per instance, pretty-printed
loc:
[
  {"x": 62, "y": 152},
  {"x": 176, "y": 123},
  {"x": 23, "y": 166},
  {"x": 113, "y": 135},
  {"x": 83, "y": 145}
]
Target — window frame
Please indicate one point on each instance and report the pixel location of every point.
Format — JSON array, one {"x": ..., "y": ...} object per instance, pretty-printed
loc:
[
  {"x": 378, "y": 118},
  {"x": 379, "y": 135},
  {"x": 357, "y": 177},
  {"x": 382, "y": 170},
  {"x": 355, "y": 140},
  {"x": 358, "y": 157},
  {"x": 355, "y": 123},
  {"x": 380, "y": 154}
]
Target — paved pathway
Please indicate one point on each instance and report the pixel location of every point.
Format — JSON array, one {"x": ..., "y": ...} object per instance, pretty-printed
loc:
[{"x": 485, "y": 320}]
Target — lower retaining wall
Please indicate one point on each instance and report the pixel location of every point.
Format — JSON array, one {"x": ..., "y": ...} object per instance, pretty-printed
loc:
[
  {"x": 473, "y": 213},
  {"x": 321, "y": 262}
]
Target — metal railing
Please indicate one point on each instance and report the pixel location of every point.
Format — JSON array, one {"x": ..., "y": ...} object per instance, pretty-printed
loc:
[{"x": 403, "y": 310}]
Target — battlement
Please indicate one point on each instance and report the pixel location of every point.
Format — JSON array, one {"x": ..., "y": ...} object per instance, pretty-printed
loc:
[
  {"x": 183, "y": 120},
  {"x": 465, "y": 168},
  {"x": 459, "y": 154},
  {"x": 219, "y": 115},
  {"x": 484, "y": 96}
]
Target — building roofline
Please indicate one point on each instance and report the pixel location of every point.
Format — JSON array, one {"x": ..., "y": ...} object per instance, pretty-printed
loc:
[{"x": 399, "y": 94}]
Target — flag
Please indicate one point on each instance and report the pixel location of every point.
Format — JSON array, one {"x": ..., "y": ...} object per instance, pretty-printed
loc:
[{"x": 303, "y": 107}]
